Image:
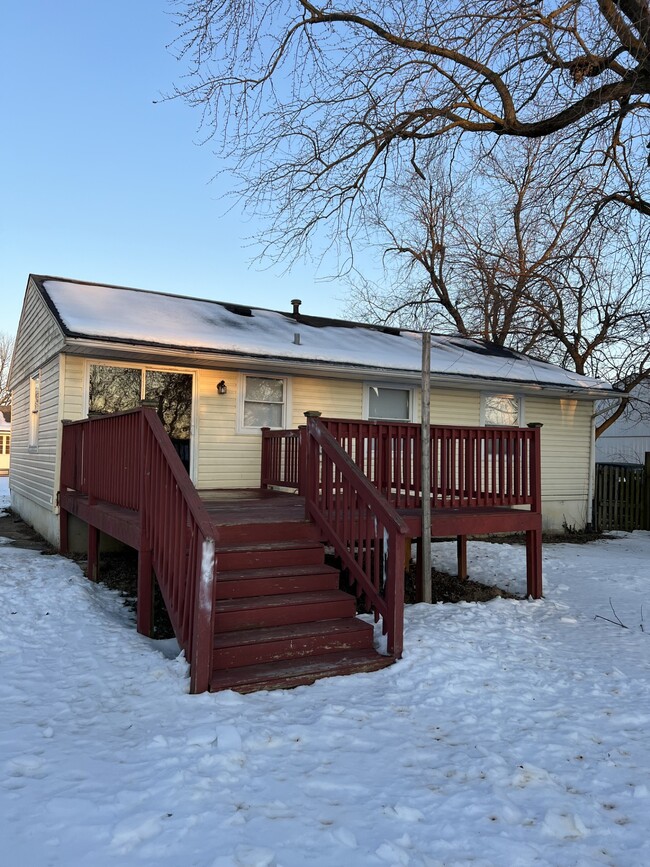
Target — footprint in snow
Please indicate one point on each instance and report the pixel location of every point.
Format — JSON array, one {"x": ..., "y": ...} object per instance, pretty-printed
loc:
[
  {"x": 136, "y": 829},
  {"x": 254, "y": 856},
  {"x": 564, "y": 826},
  {"x": 404, "y": 813},
  {"x": 26, "y": 766}
]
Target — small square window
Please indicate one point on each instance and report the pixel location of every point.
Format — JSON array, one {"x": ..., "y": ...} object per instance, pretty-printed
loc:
[
  {"x": 264, "y": 402},
  {"x": 389, "y": 404},
  {"x": 501, "y": 410}
]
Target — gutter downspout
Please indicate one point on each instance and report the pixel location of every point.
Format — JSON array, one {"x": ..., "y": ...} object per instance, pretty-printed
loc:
[{"x": 592, "y": 473}]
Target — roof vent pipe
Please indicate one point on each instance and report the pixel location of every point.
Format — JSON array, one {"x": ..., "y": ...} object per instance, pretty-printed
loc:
[
  {"x": 296, "y": 302},
  {"x": 296, "y": 338}
]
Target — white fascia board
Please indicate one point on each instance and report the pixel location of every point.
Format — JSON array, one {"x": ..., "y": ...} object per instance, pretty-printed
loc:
[{"x": 143, "y": 353}]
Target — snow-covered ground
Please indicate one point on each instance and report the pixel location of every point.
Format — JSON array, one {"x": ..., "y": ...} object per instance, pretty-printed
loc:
[{"x": 511, "y": 733}]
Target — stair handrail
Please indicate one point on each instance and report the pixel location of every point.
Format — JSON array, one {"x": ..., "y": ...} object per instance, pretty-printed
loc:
[
  {"x": 365, "y": 531},
  {"x": 174, "y": 524},
  {"x": 195, "y": 627}
]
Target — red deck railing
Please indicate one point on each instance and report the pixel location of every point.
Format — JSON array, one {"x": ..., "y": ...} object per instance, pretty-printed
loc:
[
  {"x": 281, "y": 456},
  {"x": 146, "y": 475},
  {"x": 471, "y": 467},
  {"x": 365, "y": 531}
]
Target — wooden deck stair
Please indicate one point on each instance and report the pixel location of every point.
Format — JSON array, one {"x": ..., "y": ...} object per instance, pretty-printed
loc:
[
  {"x": 243, "y": 574},
  {"x": 281, "y": 619}
]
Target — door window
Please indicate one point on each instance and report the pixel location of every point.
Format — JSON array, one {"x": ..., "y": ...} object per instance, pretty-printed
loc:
[{"x": 113, "y": 388}]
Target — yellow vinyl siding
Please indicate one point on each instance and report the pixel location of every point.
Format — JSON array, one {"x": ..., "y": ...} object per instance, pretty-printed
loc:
[
  {"x": 5, "y": 451},
  {"x": 331, "y": 397},
  {"x": 453, "y": 407},
  {"x": 566, "y": 458},
  {"x": 74, "y": 388},
  {"x": 39, "y": 337},
  {"x": 225, "y": 459},
  {"x": 33, "y": 470}
]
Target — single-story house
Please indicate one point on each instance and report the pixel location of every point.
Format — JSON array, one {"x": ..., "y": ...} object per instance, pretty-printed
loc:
[
  {"x": 173, "y": 423},
  {"x": 84, "y": 348},
  {"x": 5, "y": 439},
  {"x": 627, "y": 441}
]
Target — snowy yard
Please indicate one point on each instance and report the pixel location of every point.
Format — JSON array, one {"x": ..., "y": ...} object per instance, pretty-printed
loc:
[{"x": 511, "y": 733}]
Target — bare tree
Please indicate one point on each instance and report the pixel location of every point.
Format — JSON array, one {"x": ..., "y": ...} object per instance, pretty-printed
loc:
[
  {"x": 349, "y": 116},
  {"x": 6, "y": 351},
  {"x": 512, "y": 253},
  {"x": 323, "y": 104}
]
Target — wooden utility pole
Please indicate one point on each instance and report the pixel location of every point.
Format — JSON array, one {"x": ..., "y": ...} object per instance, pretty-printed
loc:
[
  {"x": 425, "y": 546},
  {"x": 646, "y": 482}
]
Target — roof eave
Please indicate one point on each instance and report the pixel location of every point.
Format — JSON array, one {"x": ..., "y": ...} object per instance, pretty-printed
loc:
[{"x": 202, "y": 358}]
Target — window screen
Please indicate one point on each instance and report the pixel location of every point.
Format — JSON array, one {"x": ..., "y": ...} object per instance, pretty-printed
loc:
[
  {"x": 263, "y": 402},
  {"x": 391, "y": 404}
]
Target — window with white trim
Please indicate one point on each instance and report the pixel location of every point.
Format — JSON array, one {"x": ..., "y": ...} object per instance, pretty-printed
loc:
[
  {"x": 385, "y": 403},
  {"x": 502, "y": 410},
  {"x": 34, "y": 408},
  {"x": 264, "y": 402}
]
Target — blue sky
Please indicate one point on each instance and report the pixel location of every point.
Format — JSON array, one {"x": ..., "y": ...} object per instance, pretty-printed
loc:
[{"x": 99, "y": 183}]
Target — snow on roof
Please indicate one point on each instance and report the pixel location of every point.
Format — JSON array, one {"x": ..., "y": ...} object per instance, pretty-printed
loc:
[{"x": 136, "y": 316}]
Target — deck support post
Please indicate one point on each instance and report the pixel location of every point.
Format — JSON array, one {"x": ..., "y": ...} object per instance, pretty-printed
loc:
[
  {"x": 418, "y": 570},
  {"x": 407, "y": 553},
  {"x": 145, "y": 592},
  {"x": 93, "y": 553},
  {"x": 64, "y": 545},
  {"x": 534, "y": 564},
  {"x": 461, "y": 555},
  {"x": 646, "y": 524}
]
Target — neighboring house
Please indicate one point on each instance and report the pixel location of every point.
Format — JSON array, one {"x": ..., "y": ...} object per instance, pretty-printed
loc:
[
  {"x": 5, "y": 439},
  {"x": 628, "y": 440},
  {"x": 220, "y": 371}
]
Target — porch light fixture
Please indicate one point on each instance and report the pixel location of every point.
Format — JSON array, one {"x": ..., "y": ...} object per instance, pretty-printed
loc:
[{"x": 222, "y": 388}]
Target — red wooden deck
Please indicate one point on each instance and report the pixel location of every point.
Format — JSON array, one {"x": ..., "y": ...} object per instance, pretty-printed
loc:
[{"x": 243, "y": 573}]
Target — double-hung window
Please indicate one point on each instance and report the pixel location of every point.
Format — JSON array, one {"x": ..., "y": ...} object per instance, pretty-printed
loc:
[
  {"x": 264, "y": 401},
  {"x": 34, "y": 408}
]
